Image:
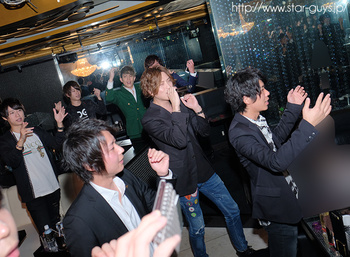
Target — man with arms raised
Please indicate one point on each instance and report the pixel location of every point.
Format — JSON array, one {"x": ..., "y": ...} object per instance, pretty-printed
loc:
[{"x": 267, "y": 154}]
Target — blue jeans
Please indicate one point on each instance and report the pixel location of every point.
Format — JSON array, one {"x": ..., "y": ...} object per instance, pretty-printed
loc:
[
  {"x": 216, "y": 191},
  {"x": 283, "y": 239}
]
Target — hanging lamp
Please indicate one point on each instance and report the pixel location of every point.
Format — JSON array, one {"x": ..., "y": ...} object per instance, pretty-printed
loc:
[{"x": 84, "y": 68}]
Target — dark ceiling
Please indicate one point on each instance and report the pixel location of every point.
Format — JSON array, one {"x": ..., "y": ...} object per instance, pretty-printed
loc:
[{"x": 40, "y": 28}]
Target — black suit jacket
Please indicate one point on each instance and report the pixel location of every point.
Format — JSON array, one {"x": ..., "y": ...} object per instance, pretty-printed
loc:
[
  {"x": 91, "y": 221},
  {"x": 14, "y": 158},
  {"x": 273, "y": 199},
  {"x": 175, "y": 134}
]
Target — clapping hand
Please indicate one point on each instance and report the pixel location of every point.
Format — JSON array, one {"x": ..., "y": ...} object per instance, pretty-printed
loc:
[
  {"x": 320, "y": 111},
  {"x": 297, "y": 95}
]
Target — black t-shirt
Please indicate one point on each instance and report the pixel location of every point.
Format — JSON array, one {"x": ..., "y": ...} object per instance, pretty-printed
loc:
[{"x": 87, "y": 110}]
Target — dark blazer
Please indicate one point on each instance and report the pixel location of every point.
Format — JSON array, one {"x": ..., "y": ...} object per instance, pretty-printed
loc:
[
  {"x": 190, "y": 84},
  {"x": 273, "y": 199},
  {"x": 175, "y": 134},
  {"x": 14, "y": 158},
  {"x": 91, "y": 221}
]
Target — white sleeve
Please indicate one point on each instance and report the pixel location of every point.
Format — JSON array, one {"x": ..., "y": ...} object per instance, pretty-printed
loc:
[{"x": 110, "y": 85}]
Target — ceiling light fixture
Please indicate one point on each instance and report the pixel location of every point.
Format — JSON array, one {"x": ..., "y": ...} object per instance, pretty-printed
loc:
[
  {"x": 17, "y": 2},
  {"x": 84, "y": 68}
]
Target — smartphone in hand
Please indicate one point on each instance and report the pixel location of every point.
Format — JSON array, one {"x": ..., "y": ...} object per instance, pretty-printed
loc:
[{"x": 167, "y": 201}]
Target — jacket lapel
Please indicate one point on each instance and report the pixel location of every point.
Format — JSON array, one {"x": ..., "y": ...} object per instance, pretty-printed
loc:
[
  {"x": 238, "y": 117},
  {"x": 133, "y": 197},
  {"x": 102, "y": 207}
]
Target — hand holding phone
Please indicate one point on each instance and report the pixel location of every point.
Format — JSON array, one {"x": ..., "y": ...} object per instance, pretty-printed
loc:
[{"x": 167, "y": 202}]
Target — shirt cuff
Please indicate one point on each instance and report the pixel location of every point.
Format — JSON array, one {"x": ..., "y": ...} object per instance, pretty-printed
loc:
[
  {"x": 169, "y": 176},
  {"x": 192, "y": 74},
  {"x": 110, "y": 85}
]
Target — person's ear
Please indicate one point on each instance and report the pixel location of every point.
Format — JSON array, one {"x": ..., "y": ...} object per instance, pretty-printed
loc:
[
  {"x": 68, "y": 96},
  {"x": 88, "y": 167},
  {"x": 4, "y": 119},
  {"x": 247, "y": 100},
  {"x": 121, "y": 80}
]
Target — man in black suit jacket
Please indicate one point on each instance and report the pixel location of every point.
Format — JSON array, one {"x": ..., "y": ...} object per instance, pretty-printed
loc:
[
  {"x": 113, "y": 200},
  {"x": 266, "y": 155},
  {"x": 173, "y": 124}
]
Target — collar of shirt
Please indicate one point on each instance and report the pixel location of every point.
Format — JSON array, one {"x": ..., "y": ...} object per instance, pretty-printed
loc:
[
  {"x": 260, "y": 121},
  {"x": 123, "y": 208},
  {"x": 108, "y": 194},
  {"x": 265, "y": 130},
  {"x": 132, "y": 91}
]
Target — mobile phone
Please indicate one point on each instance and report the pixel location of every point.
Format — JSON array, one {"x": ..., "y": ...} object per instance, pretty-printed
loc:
[{"x": 167, "y": 201}]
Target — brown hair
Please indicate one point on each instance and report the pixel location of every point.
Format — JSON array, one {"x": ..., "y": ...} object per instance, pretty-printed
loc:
[
  {"x": 68, "y": 85},
  {"x": 127, "y": 70},
  {"x": 151, "y": 78}
]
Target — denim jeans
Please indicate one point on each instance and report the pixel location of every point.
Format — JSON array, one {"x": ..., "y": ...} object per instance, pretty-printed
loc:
[
  {"x": 283, "y": 239},
  {"x": 216, "y": 191}
]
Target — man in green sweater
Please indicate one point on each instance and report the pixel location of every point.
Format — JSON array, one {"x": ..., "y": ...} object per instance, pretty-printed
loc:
[{"x": 129, "y": 100}]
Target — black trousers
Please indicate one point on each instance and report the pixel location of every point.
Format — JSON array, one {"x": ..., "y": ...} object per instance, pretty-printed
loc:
[{"x": 45, "y": 210}]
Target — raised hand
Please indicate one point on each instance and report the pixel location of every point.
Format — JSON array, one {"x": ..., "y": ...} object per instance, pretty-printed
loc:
[
  {"x": 297, "y": 95},
  {"x": 174, "y": 98},
  {"x": 111, "y": 74},
  {"x": 58, "y": 106},
  {"x": 59, "y": 115},
  {"x": 97, "y": 93},
  {"x": 190, "y": 66},
  {"x": 190, "y": 101},
  {"x": 159, "y": 161},
  {"x": 25, "y": 131},
  {"x": 320, "y": 111}
]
